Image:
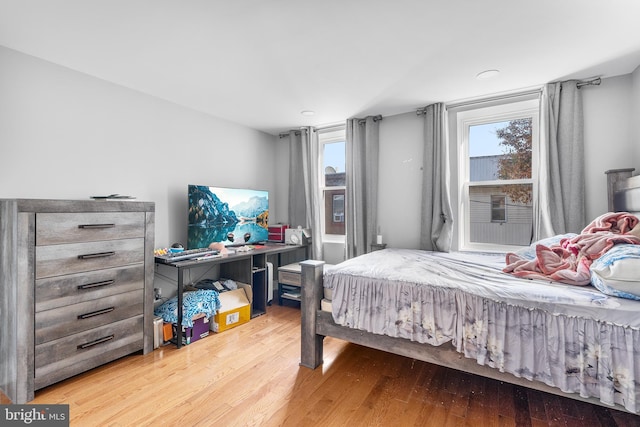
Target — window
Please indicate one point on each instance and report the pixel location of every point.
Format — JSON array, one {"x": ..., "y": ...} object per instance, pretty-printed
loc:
[
  {"x": 334, "y": 212},
  {"x": 333, "y": 165},
  {"x": 496, "y": 175},
  {"x": 338, "y": 208},
  {"x": 499, "y": 208}
]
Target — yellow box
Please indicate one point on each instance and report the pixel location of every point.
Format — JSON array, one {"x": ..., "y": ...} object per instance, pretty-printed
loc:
[
  {"x": 167, "y": 331},
  {"x": 235, "y": 308}
]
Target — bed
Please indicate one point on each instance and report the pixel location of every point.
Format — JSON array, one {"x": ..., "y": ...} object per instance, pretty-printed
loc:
[{"x": 465, "y": 313}]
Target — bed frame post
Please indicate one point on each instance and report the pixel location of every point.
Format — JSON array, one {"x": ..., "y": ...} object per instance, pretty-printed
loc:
[
  {"x": 616, "y": 177},
  {"x": 312, "y": 292}
]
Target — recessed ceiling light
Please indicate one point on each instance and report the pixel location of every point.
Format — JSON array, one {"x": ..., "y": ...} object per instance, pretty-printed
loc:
[
  {"x": 487, "y": 74},
  {"x": 307, "y": 113}
]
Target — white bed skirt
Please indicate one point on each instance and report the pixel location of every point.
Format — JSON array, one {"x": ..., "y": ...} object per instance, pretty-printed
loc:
[{"x": 565, "y": 337}]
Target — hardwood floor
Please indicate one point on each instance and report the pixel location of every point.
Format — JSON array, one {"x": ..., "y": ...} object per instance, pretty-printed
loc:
[{"x": 249, "y": 375}]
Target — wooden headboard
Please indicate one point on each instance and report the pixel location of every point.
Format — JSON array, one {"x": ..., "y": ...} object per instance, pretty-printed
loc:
[{"x": 623, "y": 191}]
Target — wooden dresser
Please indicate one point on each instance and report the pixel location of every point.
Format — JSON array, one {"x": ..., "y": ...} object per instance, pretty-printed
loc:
[{"x": 76, "y": 288}]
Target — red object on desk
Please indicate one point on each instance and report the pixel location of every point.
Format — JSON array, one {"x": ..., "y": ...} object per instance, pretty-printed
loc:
[{"x": 276, "y": 232}]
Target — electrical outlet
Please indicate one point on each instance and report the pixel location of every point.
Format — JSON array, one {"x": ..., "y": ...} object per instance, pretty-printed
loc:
[{"x": 157, "y": 293}]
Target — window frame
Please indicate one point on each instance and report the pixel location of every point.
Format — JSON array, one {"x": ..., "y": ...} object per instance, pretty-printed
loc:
[
  {"x": 330, "y": 136},
  {"x": 529, "y": 108}
]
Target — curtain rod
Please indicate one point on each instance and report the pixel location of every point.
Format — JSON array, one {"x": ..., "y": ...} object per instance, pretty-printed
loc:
[
  {"x": 299, "y": 131},
  {"x": 375, "y": 119},
  {"x": 286, "y": 134},
  {"x": 593, "y": 82},
  {"x": 421, "y": 111},
  {"x": 329, "y": 127}
]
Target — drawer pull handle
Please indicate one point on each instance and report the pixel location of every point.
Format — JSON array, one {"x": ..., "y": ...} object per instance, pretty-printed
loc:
[
  {"x": 94, "y": 226},
  {"x": 96, "y": 284},
  {"x": 97, "y": 255},
  {"x": 96, "y": 342},
  {"x": 96, "y": 313}
]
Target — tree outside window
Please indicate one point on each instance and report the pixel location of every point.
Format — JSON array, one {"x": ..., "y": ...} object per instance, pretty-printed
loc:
[{"x": 515, "y": 139}]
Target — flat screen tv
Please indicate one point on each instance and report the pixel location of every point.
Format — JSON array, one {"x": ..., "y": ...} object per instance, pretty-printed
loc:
[{"x": 231, "y": 216}]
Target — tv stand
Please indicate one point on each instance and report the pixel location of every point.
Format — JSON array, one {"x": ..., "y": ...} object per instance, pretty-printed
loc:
[{"x": 248, "y": 267}]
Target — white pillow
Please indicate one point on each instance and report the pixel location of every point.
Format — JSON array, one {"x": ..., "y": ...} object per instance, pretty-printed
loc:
[{"x": 617, "y": 272}]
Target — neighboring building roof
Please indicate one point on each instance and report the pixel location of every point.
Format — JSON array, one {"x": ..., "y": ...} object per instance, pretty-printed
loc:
[
  {"x": 335, "y": 179},
  {"x": 484, "y": 168}
]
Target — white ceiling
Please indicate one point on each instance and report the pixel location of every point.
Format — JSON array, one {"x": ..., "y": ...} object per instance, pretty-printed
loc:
[{"x": 261, "y": 62}]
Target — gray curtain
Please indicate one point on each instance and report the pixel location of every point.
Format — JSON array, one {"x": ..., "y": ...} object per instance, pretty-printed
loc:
[
  {"x": 362, "y": 184},
  {"x": 561, "y": 199},
  {"x": 305, "y": 199},
  {"x": 437, "y": 219}
]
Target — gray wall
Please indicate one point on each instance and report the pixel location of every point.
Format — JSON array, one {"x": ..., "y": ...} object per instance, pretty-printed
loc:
[
  {"x": 400, "y": 180},
  {"x": 64, "y": 134},
  {"x": 608, "y": 136}
]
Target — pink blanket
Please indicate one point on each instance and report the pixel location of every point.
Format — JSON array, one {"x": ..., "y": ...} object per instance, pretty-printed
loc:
[{"x": 569, "y": 261}]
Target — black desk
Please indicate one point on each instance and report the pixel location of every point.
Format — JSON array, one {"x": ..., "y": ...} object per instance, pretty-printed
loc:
[{"x": 247, "y": 267}]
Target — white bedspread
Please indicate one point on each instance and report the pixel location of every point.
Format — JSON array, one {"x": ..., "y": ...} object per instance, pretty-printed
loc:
[{"x": 574, "y": 338}]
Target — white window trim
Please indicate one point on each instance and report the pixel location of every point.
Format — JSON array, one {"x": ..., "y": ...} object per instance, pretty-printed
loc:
[
  {"x": 466, "y": 119},
  {"x": 329, "y": 137}
]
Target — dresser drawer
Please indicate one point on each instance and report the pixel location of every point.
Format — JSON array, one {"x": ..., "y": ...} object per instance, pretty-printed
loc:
[
  {"x": 70, "y": 289},
  {"x": 289, "y": 278},
  {"x": 63, "y": 358},
  {"x": 58, "y": 228},
  {"x": 57, "y": 260},
  {"x": 64, "y": 321}
]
